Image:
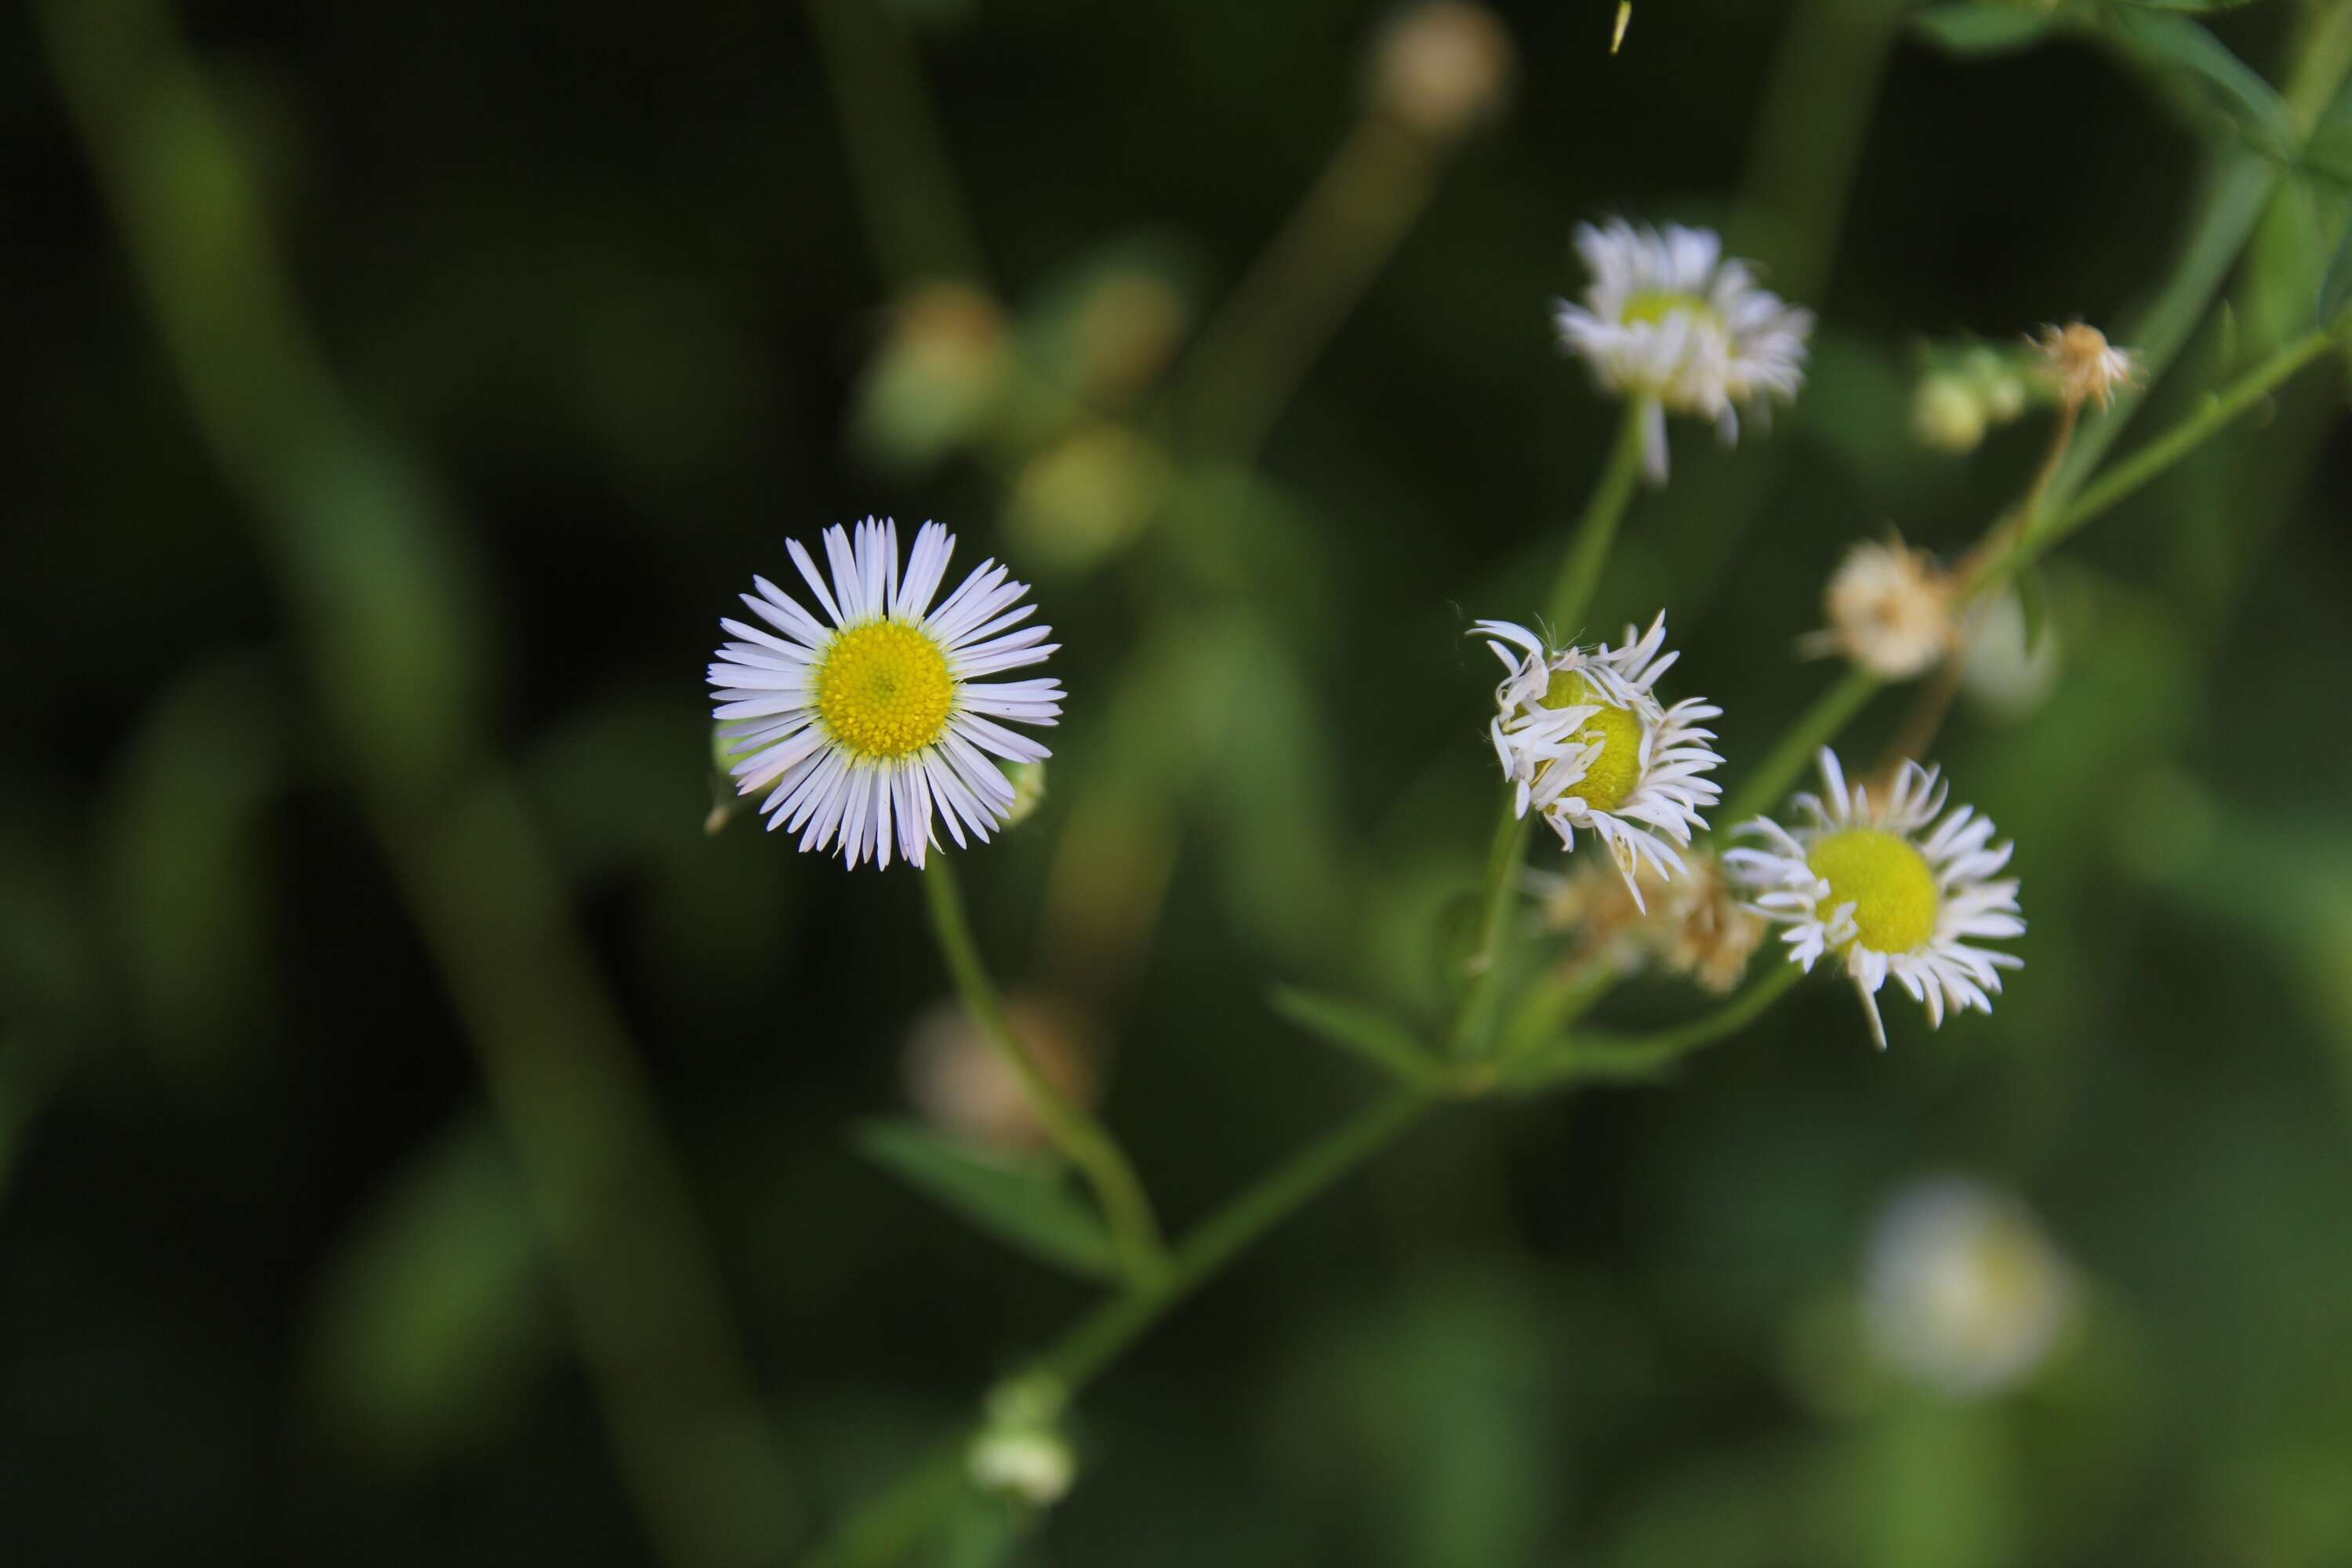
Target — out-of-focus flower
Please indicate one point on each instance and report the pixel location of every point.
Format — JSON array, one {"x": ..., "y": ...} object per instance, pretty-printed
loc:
[
  {"x": 1443, "y": 68},
  {"x": 1087, "y": 495},
  {"x": 1583, "y": 742},
  {"x": 1961, "y": 1289},
  {"x": 2085, "y": 367},
  {"x": 1875, "y": 886},
  {"x": 1020, "y": 1451},
  {"x": 878, "y": 717},
  {"x": 959, "y": 1083},
  {"x": 1127, "y": 331},
  {"x": 1694, "y": 925},
  {"x": 1891, "y": 610},
  {"x": 1947, "y": 413},
  {"x": 938, "y": 376},
  {"x": 1668, "y": 319}
]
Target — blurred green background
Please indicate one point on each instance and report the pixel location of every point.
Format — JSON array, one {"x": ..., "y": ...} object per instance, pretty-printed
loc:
[{"x": 422, "y": 1141}]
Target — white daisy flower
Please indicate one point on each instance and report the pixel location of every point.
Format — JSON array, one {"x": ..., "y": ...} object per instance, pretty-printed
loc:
[
  {"x": 878, "y": 715},
  {"x": 1871, "y": 884},
  {"x": 1666, "y": 319},
  {"x": 1584, "y": 742}
]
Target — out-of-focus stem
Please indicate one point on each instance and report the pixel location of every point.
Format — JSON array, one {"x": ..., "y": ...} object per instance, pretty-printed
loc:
[
  {"x": 1088, "y": 1143},
  {"x": 1498, "y": 896},
  {"x": 1261, "y": 344},
  {"x": 1588, "y": 552},
  {"x": 383, "y": 591},
  {"x": 916, "y": 218},
  {"x": 1816, "y": 728}
]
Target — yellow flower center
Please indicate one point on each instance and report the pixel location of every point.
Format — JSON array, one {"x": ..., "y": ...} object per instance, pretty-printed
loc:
[
  {"x": 1654, "y": 305},
  {"x": 1887, "y": 882},
  {"x": 884, "y": 689},
  {"x": 1611, "y": 774}
]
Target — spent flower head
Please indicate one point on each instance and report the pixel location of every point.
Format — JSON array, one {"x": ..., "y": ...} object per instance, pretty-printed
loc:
[
  {"x": 2085, "y": 367},
  {"x": 1891, "y": 609},
  {"x": 1886, "y": 890},
  {"x": 862, "y": 726},
  {"x": 1696, "y": 926},
  {"x": 1583, "y": 742},
  {"x": 1668, "y": 319}
]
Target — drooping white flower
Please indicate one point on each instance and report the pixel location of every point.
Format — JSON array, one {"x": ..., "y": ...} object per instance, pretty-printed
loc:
[
  {"x": 1961, "y": 1288},
  {"x": 862, "y": 726},
  {"x": 1583, "y": 742},
  {"x": 1668, "y": 319},
  {"x": 1873, "y": 885}
]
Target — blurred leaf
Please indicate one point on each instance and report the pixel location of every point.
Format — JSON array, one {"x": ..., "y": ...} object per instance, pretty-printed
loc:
[
  {"x": 2034, "y": 604},
  {"x": 2336, "y": 288},
  {"x": 2182, "y": 51},
  {"x": 1353, "y": 1027},
  {"x": 1996, "y": 27},
  {"x": 1025, "y": 1203},
  {"x": 185, "y": 872},
  {"x": 432, "y": 1320},
  {"x": 2197, "y": 6}
]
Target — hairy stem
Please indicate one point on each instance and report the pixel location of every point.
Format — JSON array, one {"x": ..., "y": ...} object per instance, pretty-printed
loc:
[{"x": 1089, "y": 1144}]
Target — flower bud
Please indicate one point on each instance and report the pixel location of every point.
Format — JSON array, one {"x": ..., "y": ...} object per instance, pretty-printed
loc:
[
  {"x": 1947, "y": 413},
  {"x": 1443, "y": 68}
]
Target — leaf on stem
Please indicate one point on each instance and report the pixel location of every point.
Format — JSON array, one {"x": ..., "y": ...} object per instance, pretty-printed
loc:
[
  {"x": 2181, "y": 51},
  {"x": 1026, "y": 1203},
  {"x": 1353, "y": 1027},
  {"x": 1996, "y": 27},
  {"x": 2336, "y": 288}
]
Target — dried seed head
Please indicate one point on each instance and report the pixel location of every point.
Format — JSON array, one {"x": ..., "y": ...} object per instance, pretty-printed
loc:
[
  {"x": 1891, "y": 610},
  {"x": 2085, "y": 366}
]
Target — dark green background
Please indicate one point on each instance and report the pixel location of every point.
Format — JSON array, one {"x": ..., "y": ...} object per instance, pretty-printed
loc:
[{"x": 598, "y": 271}]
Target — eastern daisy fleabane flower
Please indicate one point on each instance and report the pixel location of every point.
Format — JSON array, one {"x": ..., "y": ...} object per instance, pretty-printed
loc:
[
  {"x": 1886, "y": 890},
  {"x": 1891, "y": 610},
  {"x": 864, "y": 725},
  {"x": 1668, "y": 319},
  {"x": 1584, "y": 742}
]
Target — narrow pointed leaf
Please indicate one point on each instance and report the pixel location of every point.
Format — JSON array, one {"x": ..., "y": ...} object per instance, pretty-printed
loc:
[
  {"x": 1996, "y": 27},
  {"x": 1354, "y": 1027},
  {"x": 1028, "y": 1204}
]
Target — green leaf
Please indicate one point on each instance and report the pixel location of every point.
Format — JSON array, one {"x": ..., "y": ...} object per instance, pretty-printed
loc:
[
  {"x": 1996, "y": 27},
  {"x": 1025, "y": 1202},
  {"x": 2180, "y": 50},
  {"x": 2196, "y": 5},
  {"x": 2034, "y": 605},
  {"x": 2336, "y": 290},
  {"x": 1351, "y": 1026}
]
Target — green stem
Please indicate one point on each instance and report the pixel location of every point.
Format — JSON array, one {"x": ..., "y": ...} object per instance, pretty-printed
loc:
[
  {"x": 915, "y": 217},
  {"x": 1580, "y": 574},
  {"x": 2217, "y": 411},
  {"x": 1496, "y": 899},
  {"x": 1078, "y": 1135},
  {"x": 1639, "y": 1056},
  {"x": 1259, "y": 346},
  {"x": 1099, "y": 1339},
  {"x": 1816, "y": 728}
]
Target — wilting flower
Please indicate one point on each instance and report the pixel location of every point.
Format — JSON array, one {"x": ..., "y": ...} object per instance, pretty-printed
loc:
[
  {"x": 1584, "y": 742},
  {"x": 1870, "y": 884},
  {"x": 2085, "y": 367},
  {"x": 1961, "y": 1289},
  {"x": 877, "y": 716},
  {"x": 1695, "y": 926},
  {"x": 1890, "y": 610},
  {"x": 1668, "y": 319}
]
